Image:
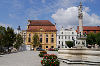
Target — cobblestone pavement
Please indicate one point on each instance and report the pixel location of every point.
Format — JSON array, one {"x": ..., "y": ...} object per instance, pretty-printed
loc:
[{"x": 26, "y": 58}]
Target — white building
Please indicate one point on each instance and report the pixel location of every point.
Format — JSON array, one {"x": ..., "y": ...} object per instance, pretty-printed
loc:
[
  {"x": 66, "y": 35},
  {"x": 23, "y": 33}
]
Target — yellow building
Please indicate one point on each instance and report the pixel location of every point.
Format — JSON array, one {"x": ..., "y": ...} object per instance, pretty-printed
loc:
[{"x": 46, "y": 32}]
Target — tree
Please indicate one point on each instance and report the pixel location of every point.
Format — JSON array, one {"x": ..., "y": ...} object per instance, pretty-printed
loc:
[
  {"x": 69, "y": 43},
  {"x": 36, "y": 41},
  {"x": 10, "y": 37},
  {"x": 91, "y": 39},
  {"x": 2, "y": 38},
  {"x": 19, "y": 41},
  {"x": 98, "y": 38}
]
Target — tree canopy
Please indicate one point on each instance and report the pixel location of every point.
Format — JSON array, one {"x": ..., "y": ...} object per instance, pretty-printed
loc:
[
  {"x": 93, "y": 38},
  {"x": 36, "y": 41},
  {"x": 8, "y": 38},
  {"x": 19, "y": 41},
  {"x": 69, "y": 43}
]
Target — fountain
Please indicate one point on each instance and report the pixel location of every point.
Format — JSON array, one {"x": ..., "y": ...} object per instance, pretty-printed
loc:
[{"x": 80, "y": 54}]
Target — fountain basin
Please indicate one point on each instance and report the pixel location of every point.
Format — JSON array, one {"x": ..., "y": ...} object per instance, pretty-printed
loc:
[{"x": 79, "y": 55}]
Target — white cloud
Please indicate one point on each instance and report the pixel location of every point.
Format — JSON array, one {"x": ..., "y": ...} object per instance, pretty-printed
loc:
[
  {"x": 69, "y": 17},
  {"x": 47, "y": 7}
]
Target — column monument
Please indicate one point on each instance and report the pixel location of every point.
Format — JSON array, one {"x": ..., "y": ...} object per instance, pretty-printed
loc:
[{"x": 81, "y": 39}]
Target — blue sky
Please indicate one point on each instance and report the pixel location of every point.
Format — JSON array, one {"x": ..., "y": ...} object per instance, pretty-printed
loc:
[{"x": 16, "y": 12}]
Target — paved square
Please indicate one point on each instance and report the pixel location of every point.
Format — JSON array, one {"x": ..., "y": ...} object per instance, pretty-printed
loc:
[{"x": 26, "y": 58}]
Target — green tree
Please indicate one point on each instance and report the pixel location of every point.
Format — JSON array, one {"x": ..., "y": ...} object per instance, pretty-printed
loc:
[
  {"x": 36, "y": 41},
  {"x": 69, "y": 43},
  {"x": 91, "y": 39},
  {"x": 19, "y": 41},
  {"x": 98, "y": 38},
  {"x": 2, "y": 37},
  {"x": 10, "y": 37}
]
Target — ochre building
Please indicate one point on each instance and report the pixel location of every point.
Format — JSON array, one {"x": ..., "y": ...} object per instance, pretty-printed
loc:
[{"x": 46, "y": 32}]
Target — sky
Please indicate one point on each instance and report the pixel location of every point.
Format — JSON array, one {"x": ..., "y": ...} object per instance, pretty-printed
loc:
[{"x": 62, "y": 12}]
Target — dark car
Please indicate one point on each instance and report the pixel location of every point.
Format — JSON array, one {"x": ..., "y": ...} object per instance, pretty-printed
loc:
[
  {"x": 51, "y": 49},
  {"x": 40, "y": 49}
]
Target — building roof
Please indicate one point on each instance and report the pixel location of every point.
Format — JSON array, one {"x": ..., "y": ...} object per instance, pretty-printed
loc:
[
  {"x": 90, "y": 28},
  {"x": 40, "y": 25}
]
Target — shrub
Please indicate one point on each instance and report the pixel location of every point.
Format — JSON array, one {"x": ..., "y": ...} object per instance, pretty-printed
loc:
[
  {"x": 50, "y": 60},
  {"x": 42, "y": 53},
  {"x": 48, "y": 56}
]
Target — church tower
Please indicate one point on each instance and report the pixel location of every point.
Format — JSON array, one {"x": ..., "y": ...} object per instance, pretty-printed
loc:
[{"x": 80, "y": 18}]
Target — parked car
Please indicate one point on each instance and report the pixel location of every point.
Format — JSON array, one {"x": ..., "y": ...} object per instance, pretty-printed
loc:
[
  {"x": 51, "y": 49},
  {"x": 40, "y": 49}
]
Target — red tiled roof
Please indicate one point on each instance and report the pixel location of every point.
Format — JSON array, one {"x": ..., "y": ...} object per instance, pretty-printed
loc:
[
  {"x": 42, "y": 28},
  {"x": 40, "y": 23},
  {"x": 90, "y": 27}
]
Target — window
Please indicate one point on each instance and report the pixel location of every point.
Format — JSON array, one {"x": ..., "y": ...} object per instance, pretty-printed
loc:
[
  {"x": 46, "y": 35},
  {"x": 72, "y": 32},
  {"x": 52, "y": 35},
  {"x": 46, "y": 46},
  {"x": 59, "y": 37},
  {"x": 40, "y": 35},
  {"x": 59, "y": 42},
  {"x": 62, "y": 37},
  {"x": 41, "y": 40},
  {"x": 29, "y": 39},
  {"x": 24, "y": 33},
  {"x": 52, "y": 46},
  {"x": 46, "y": 40},
  {"x": 62, "y": 43},
  {"x": 65, "y": 37},
  {"x": 68, "y": 37},
  {"x": 72, "y": 38},
  {"x": 29, "y": 35},
  {"x": 61, "y": 32},
  {"x": 52, "y": 40},
  {"x": 58, "y": 46}
]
